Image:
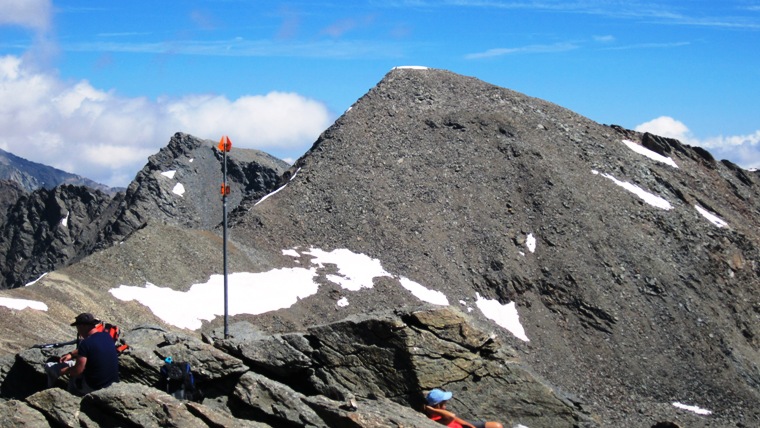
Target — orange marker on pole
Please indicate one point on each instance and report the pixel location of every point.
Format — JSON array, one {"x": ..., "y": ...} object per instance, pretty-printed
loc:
[{"x": 225, "y": 145}]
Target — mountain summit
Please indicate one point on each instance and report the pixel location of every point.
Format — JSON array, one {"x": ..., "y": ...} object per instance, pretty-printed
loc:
[
  {"x": 632, "y": 259},
  {"x": 611, "y": 276}
]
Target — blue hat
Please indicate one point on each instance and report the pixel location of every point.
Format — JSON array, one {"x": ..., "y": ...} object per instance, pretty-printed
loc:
[{"x": 437, "y": 396}]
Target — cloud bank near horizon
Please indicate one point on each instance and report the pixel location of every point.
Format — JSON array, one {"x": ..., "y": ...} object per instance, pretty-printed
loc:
[{"x": 106, "y": 137}]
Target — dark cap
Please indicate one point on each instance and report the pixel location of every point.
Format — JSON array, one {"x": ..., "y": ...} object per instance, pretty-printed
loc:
[{"x": 85, "y": 319}]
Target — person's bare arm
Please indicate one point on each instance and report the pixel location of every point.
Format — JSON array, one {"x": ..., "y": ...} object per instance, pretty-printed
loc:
[
  {"x": 447, "y": 416},
  {"x": 70, "y": 355}
]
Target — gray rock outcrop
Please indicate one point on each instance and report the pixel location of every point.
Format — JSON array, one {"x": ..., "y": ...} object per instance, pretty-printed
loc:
[{"x": 47, "y": 229}]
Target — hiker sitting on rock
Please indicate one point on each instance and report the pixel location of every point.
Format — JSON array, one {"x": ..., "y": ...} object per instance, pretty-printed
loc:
[
  {"x": 435, "y": 409},
  {"x": 93, "y": 365}
]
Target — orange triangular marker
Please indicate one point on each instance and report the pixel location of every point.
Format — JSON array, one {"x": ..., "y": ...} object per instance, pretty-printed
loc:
[{"x": 225, "y": 145}]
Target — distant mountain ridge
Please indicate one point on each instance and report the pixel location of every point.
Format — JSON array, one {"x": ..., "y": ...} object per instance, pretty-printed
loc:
[
  {"x": 47, "y": 229},
  {"x": 32, "y": 175}
]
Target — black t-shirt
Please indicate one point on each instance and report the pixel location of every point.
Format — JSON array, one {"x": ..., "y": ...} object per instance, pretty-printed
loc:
[{"x": 102, "y": 368}]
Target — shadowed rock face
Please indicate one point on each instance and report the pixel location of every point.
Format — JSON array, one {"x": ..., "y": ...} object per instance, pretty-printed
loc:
[
  {"x": 630, "y": 301},
  {"x": 10, "y": 192},
  {"x": 48, "y": 229}
]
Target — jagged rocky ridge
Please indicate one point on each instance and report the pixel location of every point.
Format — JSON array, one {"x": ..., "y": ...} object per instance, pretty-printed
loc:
[
  {"x": 445, "y": 179},
  {"x": 48, "y": 229}
]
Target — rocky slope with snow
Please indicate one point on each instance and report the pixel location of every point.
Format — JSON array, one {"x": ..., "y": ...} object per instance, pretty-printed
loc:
[{"x": 619, "y": 270}]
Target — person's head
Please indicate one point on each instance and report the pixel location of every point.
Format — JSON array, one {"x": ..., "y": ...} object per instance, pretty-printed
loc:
[
  {"x": 437, "y": 397},
  {"x": 84, "y": 323}
]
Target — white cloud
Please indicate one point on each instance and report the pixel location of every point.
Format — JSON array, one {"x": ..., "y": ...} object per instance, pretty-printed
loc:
[
  {"x": 733, "y": 140},
  {"x": 604, "y": 39},
  {"x": 666, "y": 126},
  {"x": 35, "y": 14},
  {"x": 103, "y": 136},
  {"x": 278, "y": 119},
  {"x": 740, "y": 149},
  {"x": 557, "y": 47}
]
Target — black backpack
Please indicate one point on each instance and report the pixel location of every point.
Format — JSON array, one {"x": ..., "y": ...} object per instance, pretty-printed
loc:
[{"x": 179, "y": 381}]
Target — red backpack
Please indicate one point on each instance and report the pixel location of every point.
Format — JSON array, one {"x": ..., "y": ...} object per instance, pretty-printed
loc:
[{"x": 115, "y": 333}]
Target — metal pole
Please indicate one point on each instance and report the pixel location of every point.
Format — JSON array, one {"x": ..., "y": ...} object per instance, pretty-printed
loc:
[{"x": 224, "y": 245}]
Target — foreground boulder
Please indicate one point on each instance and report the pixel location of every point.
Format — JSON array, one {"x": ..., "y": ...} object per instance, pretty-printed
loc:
[{"x": 397, "y": 357}]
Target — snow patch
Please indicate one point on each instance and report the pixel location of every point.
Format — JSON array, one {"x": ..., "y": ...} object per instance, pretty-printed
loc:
[
  {"x": 267, "y": 196},
  {"x": 291, "y": 253},
  {"x": 257, "y": 293},
  {"x": 36, "y": 280},
  {"x": 178, "y": 189},
  {"x": 530, "y": 242},
  {"x": 694, "y": 409},
  {"x": 355, "y": 271},
  {"x": 20, "y": 304},
  {"x": 647, "y": 197},
  {"x": 714, "y": 219},
  {"x": 504, "y": 315},
  {"x": 65, "y": 220},
  {"x": 649, "y": 153},
  {"x": 424, "y": 294},
  {"x": 294, "y": 174},
  {"x": 249, "y": 293},
  {"x": 169, "y": 174},
  {"x": 410, "y": 67}
]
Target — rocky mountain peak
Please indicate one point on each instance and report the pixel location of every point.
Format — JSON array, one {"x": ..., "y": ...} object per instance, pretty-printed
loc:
[{"x": 608, "y": 248}]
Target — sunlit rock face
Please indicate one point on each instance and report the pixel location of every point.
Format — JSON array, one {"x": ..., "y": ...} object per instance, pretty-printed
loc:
[{"x": 622, "y": 252}]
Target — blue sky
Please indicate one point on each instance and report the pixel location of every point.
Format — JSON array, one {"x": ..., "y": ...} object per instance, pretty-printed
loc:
[{"x": 96, "y": 87}]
